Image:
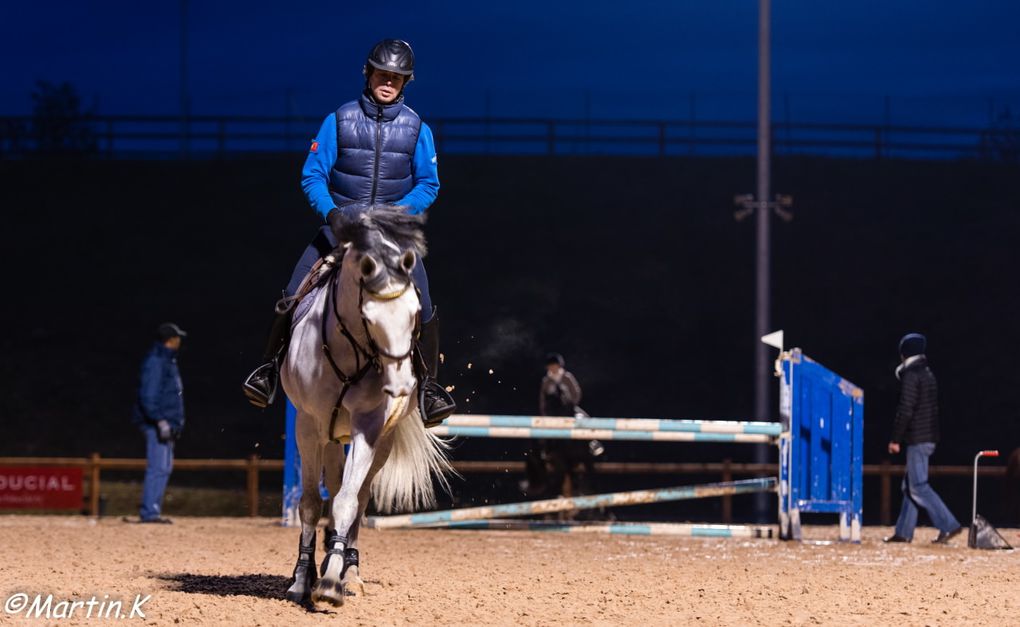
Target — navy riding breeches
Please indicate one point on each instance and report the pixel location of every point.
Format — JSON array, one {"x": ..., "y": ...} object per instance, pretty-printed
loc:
[{"x": 324, "y": 243}]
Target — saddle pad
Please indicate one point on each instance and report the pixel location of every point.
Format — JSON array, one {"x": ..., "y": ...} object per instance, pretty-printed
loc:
[{"x": 305, "y": 304}]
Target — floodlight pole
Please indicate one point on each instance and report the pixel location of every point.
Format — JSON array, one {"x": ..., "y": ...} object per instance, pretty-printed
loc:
[
  {"x": 185, "y": 113},
  {"x": 760, "y": 204},
  {"x": 763, "y": 374}
]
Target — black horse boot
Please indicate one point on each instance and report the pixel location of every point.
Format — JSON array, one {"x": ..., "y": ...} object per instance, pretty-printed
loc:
[
  {"x": 300, "y": 589},
  {"x": 435, "y": 402},
  {"x": 260, "y": 386}
]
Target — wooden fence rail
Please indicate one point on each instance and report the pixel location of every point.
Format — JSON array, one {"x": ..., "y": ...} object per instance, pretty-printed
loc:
[{"x": 253, "y": 465}]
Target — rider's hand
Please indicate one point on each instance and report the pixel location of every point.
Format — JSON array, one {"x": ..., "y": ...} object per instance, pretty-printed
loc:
[
  {"x": 335, "y": 219},
  {"x": 894, "y": 447},
  {"x": 164, "y": 431}
]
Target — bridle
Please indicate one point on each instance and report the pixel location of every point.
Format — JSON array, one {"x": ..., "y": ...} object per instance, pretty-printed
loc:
[{"x": 371, "y": 355}]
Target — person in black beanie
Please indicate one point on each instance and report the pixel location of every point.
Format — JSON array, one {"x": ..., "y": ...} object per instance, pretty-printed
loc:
[{"x": 917, "y": 426}]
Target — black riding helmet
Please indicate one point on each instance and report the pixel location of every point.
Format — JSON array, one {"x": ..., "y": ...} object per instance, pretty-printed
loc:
[{"x": 391, "y": 55}]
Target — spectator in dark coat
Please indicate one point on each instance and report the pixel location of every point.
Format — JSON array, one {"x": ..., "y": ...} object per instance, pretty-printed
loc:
[
  {"x": 552, "y": 465},
  {"x": 159, "y": 414},
  {"x": 917, "y": 427},
  {"x": 560, "y": 393}
]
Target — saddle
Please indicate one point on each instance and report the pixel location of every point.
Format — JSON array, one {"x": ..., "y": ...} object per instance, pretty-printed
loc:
[{"x": 316, "y": 278}]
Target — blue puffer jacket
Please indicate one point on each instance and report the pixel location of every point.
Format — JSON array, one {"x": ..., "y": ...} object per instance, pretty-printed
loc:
[
  {"x": 368, "y": 152},
  {"x": 376, "y": 145},
  {"x": 160, "y": 393}
]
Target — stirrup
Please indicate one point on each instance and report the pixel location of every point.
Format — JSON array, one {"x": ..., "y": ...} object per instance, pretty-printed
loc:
[
  {"x": 262, "y": 396},
  {"x": 439, "y": 397}
]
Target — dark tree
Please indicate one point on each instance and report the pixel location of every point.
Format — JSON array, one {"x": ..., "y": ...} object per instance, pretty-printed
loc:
[{"x": 58, "y": 122}]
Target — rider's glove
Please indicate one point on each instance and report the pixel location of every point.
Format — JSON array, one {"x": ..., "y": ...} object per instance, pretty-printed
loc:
[{"x": 165, "y": 434}]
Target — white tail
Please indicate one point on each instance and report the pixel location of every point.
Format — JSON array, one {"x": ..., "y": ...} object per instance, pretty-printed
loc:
[{"x": 405, "y": 480}]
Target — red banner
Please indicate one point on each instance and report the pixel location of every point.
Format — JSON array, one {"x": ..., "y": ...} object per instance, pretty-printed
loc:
[{"x": 43, "y": 487}]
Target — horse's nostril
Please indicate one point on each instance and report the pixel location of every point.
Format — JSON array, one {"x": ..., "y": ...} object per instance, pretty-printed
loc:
[{"x": 396, "y": 391}]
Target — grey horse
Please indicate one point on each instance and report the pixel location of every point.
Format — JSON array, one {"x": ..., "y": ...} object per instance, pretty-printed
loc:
[{"x": 348, "y": 372}]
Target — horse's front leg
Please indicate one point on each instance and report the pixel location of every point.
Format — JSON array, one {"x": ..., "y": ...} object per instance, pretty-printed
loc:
[
  {"x": 332, "y": 469},
  {"x": 351, "y": 580},
  {"x": 346, "y": 508}
]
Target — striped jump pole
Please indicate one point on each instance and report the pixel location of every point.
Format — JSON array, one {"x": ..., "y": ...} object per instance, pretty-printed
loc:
[
  {"x": 616, "y": 424},
  {"x": 562, "y": 504},
  {"x": 622, "y": 529},
  {"x": 574, "y": 433}
]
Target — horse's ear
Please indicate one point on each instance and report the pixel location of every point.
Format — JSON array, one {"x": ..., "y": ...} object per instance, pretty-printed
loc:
[
  {"x": 368, "y": 267},
  {"x": 407, "y": 260}
]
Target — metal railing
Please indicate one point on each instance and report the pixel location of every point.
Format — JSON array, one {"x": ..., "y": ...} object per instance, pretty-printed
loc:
[
  {"x": 252, "y": 466},
  {"x": 204, "y": 136}
]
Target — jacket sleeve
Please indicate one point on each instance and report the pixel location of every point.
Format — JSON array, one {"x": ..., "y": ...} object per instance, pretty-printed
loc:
[
  {"x": 909, "y": 395},
  {"x": 541, "y": 398},
  {"x": 315, "y": 174},
  {"x": 573, "y": 388},
  {"x": 149, "y": 389},
  {"x": 425, "y": 171}
]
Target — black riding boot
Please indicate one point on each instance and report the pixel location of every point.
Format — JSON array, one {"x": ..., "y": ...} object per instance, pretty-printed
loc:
[
  {"x": 435, "y": 401},
  {"x": 260, "y": 386}
]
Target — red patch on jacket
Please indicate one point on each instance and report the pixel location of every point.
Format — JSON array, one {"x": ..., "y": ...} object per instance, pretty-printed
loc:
[{"x": 315, "y": 146}]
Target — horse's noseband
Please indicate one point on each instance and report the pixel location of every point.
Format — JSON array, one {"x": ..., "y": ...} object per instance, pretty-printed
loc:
[{"x": 384, "y": 296}]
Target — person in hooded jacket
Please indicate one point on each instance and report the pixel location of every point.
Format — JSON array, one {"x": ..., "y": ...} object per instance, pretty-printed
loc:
[{"x": 371, "y": 150}]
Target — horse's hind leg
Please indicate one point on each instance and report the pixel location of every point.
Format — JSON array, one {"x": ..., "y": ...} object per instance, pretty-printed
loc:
[{"x": 310, "y": 510}]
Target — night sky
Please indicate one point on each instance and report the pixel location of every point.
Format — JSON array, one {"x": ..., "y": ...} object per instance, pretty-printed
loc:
[{"x": 937, "y": 61}]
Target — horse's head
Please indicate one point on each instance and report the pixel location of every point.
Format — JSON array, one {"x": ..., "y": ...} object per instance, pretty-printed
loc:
[{"x": 383, "y": 245}]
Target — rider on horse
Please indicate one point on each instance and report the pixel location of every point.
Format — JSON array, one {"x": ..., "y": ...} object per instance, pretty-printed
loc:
[{"x": 371, "y": 150}]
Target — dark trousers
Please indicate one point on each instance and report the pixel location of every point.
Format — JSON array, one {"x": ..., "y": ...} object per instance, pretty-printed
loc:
[{"x": 324, "y": 243}]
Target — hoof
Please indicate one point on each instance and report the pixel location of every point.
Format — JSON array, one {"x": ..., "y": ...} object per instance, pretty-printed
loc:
[
  {"x": 352, "y": 584},
  {"x": 330, "y": 593},
  {"x": 299, "y": 597},
  {"x": 300, "y": 591}
]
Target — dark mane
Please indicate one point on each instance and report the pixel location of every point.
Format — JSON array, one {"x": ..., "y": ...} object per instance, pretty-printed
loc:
[
  {"x": 367, "y": 225},
  {"x": 390, "y": 221}
]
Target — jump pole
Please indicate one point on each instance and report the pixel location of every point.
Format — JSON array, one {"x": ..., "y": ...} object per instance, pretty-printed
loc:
[
  {"x": 614, "y": 499},
  {"x": 622, "y": 529},
  {"x": 601, "y": 434},
  {"x": 616, "y": 424}
]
